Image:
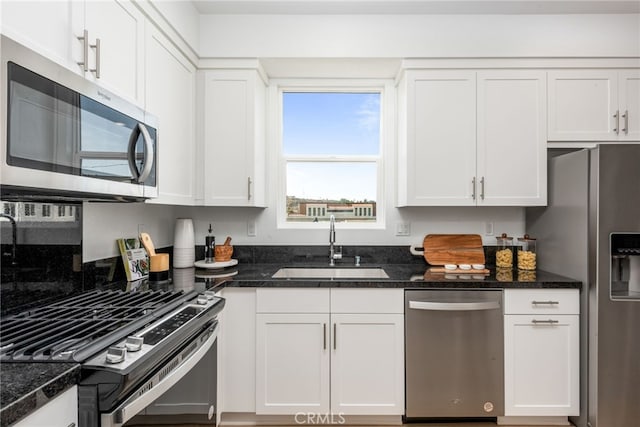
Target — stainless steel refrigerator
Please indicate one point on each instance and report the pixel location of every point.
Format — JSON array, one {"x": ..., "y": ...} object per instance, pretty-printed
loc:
[{"x": 590, "y": 231}]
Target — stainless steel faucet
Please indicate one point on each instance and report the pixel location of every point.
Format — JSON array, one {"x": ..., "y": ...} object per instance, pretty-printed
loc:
[{"x": 333, "y": 255}]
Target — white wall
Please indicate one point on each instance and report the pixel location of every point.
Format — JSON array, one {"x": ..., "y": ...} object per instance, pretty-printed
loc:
[
  {"x": 406, "y": 36},
  {"x": 103, "y": 223}
]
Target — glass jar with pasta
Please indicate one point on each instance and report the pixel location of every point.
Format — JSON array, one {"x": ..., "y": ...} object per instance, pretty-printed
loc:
[
  {"x": 527, "y": 253},
  {"x": 504, "y": 251}
]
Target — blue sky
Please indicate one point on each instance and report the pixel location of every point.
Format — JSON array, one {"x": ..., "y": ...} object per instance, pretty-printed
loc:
[{"x": 331, "y": 123}]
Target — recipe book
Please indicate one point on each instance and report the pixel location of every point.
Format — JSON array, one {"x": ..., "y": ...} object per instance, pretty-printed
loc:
[{"x": 134, "y": 258}]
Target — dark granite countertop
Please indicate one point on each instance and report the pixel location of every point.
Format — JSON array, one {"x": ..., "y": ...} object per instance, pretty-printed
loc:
[
  {"x": 406, "y": 276},
  {"x": 26, "y": 387}
]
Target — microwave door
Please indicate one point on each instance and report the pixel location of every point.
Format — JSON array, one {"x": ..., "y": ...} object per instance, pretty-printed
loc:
[{"x": 140, "y": 173}]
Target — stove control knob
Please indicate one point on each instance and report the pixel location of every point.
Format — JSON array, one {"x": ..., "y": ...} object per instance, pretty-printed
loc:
[
  {"x": 202, "y": 300},
  {"x": 209, "y": 295},
  {"x": 133, "y": 344},
  {"x": 116, "y": 354}
]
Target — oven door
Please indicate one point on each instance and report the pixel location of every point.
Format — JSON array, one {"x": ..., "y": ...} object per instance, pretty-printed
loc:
[{"x": 183, "y": 390}]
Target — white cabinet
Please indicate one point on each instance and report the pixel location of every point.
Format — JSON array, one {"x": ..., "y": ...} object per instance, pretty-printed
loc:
[
  {"x": 472, "y": 138},
  {"x": 541, "y": 332},
  {"x": 62, "y": 411},
  {"x": 511, "y": 143},
  {"x": 594, "y": 105},
  {"x": 234, "y": 138},
  {"x": 54, "y": 28},
  {"x": 170, "y": 94},
  {"x": 330, "y": 351},
  {"x": 437, "y": 151},
  {"x": 292, "y": 363},
  {"x": 118, "y": 27},
  {"x": 237, "y": 351}
]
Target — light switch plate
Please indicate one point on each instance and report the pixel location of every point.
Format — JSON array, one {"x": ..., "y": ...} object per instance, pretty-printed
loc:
[
  {"x": 403, "y": 229},
  {"x": 251, "y": 228}
]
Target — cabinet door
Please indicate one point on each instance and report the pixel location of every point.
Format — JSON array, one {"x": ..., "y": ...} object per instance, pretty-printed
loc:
[
  {"x": 629, "y": 91},
  {"x": 62, "y": 411},
  {"x": 367, "y": 364},
  {"x": 541, "y": 365},
  {"x": 437, "y": 161},
  {"x": 234, "y": 136},
  {"x": 120, "y": 27},
  {"x": 49, "y": 31},
  {"x": 292, "y": 363},
  {"x": 511, "y": 138},
  {"x": 582, "y": 105},
  {"x": 170, "y": 95}
]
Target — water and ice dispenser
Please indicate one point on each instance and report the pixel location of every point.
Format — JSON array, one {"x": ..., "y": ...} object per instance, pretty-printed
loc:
[{"x": 625, "y": 265}]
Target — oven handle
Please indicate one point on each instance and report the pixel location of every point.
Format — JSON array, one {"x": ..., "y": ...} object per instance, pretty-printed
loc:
[
  {"x": 454, "y": 306},
  {"x": 129, "y": 409}
]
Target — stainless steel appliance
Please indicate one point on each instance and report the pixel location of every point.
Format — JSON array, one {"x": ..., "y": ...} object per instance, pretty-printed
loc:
[
  {"x": 591, "y": 232},
  {"x": 454, "y": 354},
  {"x": 64, "y": 136},
  {"x": 133, "y": 347}
]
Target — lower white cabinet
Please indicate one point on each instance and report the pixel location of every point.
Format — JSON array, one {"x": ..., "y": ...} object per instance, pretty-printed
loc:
[
  {"x": 542, "y": 361},
  {"x": 292, "y": 354},
  {"x": 62, "y": 411},
  {"x": 314, "y": 360}
]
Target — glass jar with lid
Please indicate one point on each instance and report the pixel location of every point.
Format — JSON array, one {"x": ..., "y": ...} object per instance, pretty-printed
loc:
[
  {"x": 504, "y": 252},
  {"x": 527, "y": 253}
]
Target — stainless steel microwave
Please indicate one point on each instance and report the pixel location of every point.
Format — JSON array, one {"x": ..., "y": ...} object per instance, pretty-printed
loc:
[{"x": 63, "y": 136}]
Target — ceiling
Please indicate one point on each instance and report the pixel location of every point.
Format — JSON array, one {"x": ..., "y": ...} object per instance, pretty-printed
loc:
[{"x": 413, "y": 7}]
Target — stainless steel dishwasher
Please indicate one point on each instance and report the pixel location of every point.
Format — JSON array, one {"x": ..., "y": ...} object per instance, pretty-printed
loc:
[{"x": 454, "y": 354}]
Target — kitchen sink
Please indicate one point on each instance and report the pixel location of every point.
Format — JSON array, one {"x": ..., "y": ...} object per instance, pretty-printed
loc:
[{"x": 330, "y": 273}]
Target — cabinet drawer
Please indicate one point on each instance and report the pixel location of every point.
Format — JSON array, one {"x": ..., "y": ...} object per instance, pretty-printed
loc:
[
  {"x": 541, "y": 301},
  {"x": 367, "y": 301},
  {"x": 292, "y": 300}
]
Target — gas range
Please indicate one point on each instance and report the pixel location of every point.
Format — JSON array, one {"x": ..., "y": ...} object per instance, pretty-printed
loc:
[{"x": 131, "y": 344}]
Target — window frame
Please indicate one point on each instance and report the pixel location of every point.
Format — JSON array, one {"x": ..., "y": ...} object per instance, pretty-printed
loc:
[{"x": 331, "y": 86}]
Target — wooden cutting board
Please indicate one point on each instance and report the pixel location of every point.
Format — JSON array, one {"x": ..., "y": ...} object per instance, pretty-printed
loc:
[{"x": 441, "y": 249}]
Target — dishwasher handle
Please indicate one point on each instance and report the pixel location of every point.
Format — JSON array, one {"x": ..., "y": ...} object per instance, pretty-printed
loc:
[{"x": 454, "y": 306}]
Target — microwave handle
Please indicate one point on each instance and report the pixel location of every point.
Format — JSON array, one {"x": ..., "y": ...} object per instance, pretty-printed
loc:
[{"x": 140, "y": 176}]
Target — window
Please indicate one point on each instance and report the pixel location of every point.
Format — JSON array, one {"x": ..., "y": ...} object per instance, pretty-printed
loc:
[{"x": 331, "y": 151}]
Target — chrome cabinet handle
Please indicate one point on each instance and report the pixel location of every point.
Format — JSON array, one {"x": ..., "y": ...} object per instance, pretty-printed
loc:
[
  {"x": 335, "y": 330},
  {"x": 97, "y": 48},
  {"x": 324, "y": 334},
  {"x": 473, "y": 187},
  {"x": 84, "y": 64},
  {"x": 617, "y": 117},
  {"x": 249, "y": 182},
  {"x": 625, "y": 129},
  {"x": 544, "y": 322},
  {"x": 545, "y": 302},
  {"x": 482, "y": 188}
]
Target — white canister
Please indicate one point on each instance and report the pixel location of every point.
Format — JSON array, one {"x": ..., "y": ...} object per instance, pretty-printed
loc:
[{"x": 184, "y": 243}]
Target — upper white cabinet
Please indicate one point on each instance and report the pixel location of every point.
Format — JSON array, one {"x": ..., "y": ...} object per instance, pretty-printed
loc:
[
  {"x": 115, "y": 29},
  {"x": 542, "y": 352},
  {"x": 112, "y": 53},
  {"x": 470, "y": 138},
  {"x": 594, "y": 105},
  {"x": 170, "y": 81},
  {"x": 234, "y": 138},
  {"x": 511, "y": 143}
]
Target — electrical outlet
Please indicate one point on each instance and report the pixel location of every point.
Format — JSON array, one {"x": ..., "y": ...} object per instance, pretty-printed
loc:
[
  {"x": 251, "y": 228},
  {"x": 488, "y": 228},
  {"x": 403, "y": 229}
]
